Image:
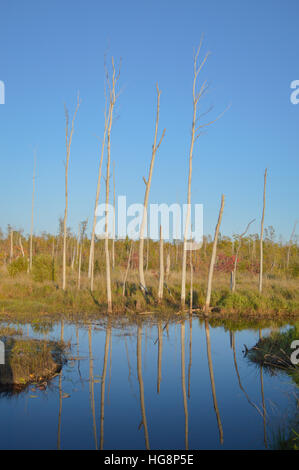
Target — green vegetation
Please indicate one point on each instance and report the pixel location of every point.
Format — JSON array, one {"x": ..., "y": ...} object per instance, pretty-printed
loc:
[
  {"x": 26, "y": 296},
  {"x": 19, "y": 265},
  {"x": 43, "y": 268}
]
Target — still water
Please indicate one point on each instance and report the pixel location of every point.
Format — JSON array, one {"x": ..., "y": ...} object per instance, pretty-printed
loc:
[{"x": 182, "y": 385}]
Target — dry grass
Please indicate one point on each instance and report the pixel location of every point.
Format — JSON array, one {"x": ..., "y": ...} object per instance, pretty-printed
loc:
[{"x": 24, "y": 299}]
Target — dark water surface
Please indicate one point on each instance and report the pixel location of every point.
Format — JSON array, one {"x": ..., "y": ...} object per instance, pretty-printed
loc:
[{"x": 176, "y": 386}]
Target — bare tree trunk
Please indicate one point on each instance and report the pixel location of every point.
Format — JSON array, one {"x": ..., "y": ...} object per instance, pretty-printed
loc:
[
  {"x": 213, "y": 258},
  {"x": 148, "y": 185},
  {"x": 68, "y": 139},
  {"x": 167, "y": 271},
  {"x": 82, "y": 228},
  {"x": 290, "y": 244},
  {"x": 79, "y": 266},
  {"x": 127, "y": 270},
  {"x": 236, "y": 258},
  {"x": 21, "y": 246},
  {"x": 191, "y": 282},
  {"x": 11, "y": 246},
  {"x": 78, "y": 243},
  {"x": 112, "y": 99},
  {"x": 195, "y": 132},
  {"x": 73, "y": 257},
  {"x": 32, "y": 207},
  {"x": 161, "y": 280},
  {"x": 262, "y": 234},
  {"x": 91, "y": 251}
]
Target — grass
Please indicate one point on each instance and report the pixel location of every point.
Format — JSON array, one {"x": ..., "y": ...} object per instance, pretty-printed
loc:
[
  {"x": 275, "y": 351},
  {"x": 24, "y": 299},
  {"x": 29, "y": 361}
]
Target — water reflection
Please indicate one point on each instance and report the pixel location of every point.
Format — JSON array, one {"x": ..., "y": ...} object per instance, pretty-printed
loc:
[
  {"x": 103, "y": 381},
  {"x": 164, "y": 391},
  {"x": 209, "y": 354},
  {"x": 141, "y": 386},
  {"x": 184, "y": 382}
]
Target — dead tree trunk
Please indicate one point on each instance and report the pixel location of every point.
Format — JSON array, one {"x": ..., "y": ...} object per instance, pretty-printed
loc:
[
  {"x": 82, "y": 228},
  {"x": 191, "y": 281},
  {"x": 195, "y": 132},
  {"x": 161, "y": 280},
  {"x": 32, "y": 207},
  {"x": 167, "y": 271},
  {"x": 127, "y": 270},
  {"x": 147, "y": 190},
  {"x": 68, "y": 141},
  {"x": 11, "y": 246},
  {"x": 290, "y": 244},
  {"x": 91, "y": 251},
  {"x": 112, "y": 99},
  {"x": 213, "y": 259},
  {"x": 21, "y": 246},
  {"x": 262, "y": 235}
]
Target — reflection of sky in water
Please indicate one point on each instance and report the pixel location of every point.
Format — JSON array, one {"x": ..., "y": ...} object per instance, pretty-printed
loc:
[{"x": 31, "y": 419}]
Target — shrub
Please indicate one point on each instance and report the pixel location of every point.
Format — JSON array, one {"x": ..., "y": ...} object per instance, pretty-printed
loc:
[
  {"x": 17, "y": 266},
  {"x": 43, "y": 268}
]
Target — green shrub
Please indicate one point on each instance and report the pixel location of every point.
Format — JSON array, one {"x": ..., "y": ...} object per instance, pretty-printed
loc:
[
  {"x": 17, "y": 266},
  {"x": 43, "y": 268}
]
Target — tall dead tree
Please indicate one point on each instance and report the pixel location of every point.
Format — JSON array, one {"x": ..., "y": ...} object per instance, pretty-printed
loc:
[
  {"x": 147, "y": 190},
  {"x": 213, "y": 259},
  {"x": 195, "y": 132},
  {"x": 32, "y": 207},
  {"x": 91, "y": 251},
  {"x": 112, "y": 100},
  {"x": 262, "y": 235},
  {"x": 82, "y": 229},
  {"x": 68, "y": 141}
]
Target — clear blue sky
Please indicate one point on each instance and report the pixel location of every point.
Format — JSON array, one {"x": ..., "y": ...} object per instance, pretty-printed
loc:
[{"x": 52, "y": 49}]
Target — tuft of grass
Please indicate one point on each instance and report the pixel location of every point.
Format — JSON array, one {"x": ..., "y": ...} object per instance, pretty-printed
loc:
[{"x": 28, "y": 360}]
